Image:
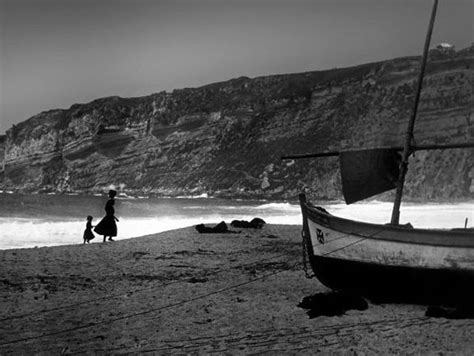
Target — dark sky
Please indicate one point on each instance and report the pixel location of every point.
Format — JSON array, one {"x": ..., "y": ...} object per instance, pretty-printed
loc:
[{"x": 54, "y": 53}]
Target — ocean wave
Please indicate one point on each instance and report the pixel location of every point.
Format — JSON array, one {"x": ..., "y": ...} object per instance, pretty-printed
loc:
[
  {"x": 53, "y": 227},
  {"x": 27, "y": 233},
  {"x": 200, "y": 196},
  {"x": 277, "y": 206}
]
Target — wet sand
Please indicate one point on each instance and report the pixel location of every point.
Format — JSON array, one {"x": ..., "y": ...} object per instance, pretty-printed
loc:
[{"x": 189, "y": 293}]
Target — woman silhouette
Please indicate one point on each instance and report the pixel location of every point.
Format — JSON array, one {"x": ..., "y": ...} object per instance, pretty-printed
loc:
[{"x": 107, "y": 226}]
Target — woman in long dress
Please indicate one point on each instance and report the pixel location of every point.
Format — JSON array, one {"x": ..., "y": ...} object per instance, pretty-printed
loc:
[{"x": 107, "y": 226}]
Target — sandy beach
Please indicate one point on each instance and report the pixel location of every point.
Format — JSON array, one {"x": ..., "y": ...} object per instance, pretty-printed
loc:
[{"x": 188, "y": 293}]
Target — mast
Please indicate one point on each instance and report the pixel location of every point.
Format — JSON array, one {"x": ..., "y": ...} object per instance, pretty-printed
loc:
[{"x": 407, "y": 149}]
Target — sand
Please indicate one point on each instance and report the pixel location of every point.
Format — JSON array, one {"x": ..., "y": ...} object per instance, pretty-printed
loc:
[{"x": 189, "y": 293}]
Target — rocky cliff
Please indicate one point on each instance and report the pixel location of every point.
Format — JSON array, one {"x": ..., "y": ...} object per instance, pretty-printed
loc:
[{"x": 226, "y": 139}]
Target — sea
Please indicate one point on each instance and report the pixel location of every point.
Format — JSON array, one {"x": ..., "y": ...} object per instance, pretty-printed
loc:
[{"x": 41, "y": 220}]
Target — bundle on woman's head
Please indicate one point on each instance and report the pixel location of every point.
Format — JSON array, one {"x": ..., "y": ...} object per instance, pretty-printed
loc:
[{"x": 112, "y": 193}]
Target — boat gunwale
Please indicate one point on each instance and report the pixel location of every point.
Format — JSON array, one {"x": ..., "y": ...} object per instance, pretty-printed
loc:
[{"x": 428, "y": 237}]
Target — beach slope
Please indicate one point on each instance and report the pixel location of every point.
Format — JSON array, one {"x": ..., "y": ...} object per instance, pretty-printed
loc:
[{"x": 184, "y": 292}]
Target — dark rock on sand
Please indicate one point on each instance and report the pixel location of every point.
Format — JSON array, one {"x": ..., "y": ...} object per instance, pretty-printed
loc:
[
  {"x": 332, "y": 304},
  {"x": 460, "y": 312},
  {"x": 220, "y": 228},
  {"x": 255, "y": 223}
]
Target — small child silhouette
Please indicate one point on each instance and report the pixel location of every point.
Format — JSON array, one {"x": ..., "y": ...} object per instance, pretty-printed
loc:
[{"x": 88, "y": 234}]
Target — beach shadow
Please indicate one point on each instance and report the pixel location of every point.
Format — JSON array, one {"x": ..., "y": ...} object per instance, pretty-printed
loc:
[
  {"x": 332, "y": 304},
  {"x": 459, "y": 312},
  {"x": 436, "y": 307}
]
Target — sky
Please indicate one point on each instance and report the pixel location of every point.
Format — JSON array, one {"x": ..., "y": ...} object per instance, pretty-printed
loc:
[{"x": 55, "y": 53}]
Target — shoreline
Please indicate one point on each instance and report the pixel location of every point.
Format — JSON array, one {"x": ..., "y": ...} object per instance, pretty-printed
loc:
[
  {"x": 183, "y": 292},
  {"x": 35, "y": 221},
  {"x": 205, "y": 196}
]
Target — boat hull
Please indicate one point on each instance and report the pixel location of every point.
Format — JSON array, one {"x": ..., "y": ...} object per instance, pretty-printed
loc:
[{"x": 389, "y": 263}]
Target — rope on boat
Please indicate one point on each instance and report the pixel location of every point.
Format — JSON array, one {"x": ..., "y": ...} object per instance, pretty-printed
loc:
[
  {"x": 305, "y": 249},
  {"x": 352, "y": 243},
  {"x": 343, "y": 247},
  {"x": 305, "y": 261}
]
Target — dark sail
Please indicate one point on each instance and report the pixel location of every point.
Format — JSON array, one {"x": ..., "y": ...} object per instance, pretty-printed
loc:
[{"x": 368, "y": 172}]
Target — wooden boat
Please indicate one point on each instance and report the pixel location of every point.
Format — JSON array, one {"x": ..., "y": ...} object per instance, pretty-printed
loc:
[
  {"x": 389, "y": 262},
  {"x": 392, "y": 261}
]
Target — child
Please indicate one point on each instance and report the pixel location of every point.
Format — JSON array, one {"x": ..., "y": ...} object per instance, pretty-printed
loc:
[{"x": 88, "y": 234}]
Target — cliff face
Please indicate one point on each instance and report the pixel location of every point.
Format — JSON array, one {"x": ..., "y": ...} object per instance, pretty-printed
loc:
[{"x": 226, "y": 139}]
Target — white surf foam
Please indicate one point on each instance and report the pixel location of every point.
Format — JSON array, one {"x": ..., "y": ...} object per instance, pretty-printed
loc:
[{"x": 25, "y": 233}]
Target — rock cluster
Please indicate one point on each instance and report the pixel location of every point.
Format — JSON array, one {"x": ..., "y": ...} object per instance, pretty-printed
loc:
[{"x": 226, "y": 139}]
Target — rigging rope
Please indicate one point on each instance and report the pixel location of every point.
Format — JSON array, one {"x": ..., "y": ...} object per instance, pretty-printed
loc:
[
  {"x": 115, "y": 296},
  {"x": 288, "y": 333},
  {"x": 345, "y": 235},
  {"x": 110, "y": 321}
]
